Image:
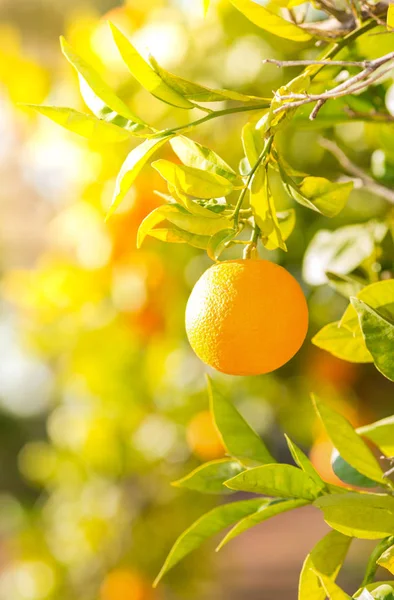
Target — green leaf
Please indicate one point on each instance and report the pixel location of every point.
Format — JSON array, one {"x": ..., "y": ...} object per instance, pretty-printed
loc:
[
  {"x": 380, "y": 433},
  {"x": 265, "y": 512},
  {"x": 317, "y": 193},
  {"x": 268, "y": 21},
  {"x": 144, "y": 73},
  {"x": 286, "y": 222},
  {"x": 218, "y": 241},
  {"x": 200, "y": 93},
  {"x": 342, "y": 343},
  {"x": 331, "y": 589},
  {"x": 175, "y": 235},
  {"x": 366, "y": 516},
  {"x": 326, "y": 558},
  {"x": 192, "y": 181},
  {"x": 386, "y": 559},
  {"x": 346, "y": 285},
  {"x": 347, "y": 473},
  {"x": 87, "y": 126},
  {"x": 283, "y": 481},
  {"x": 239, "y": 439},
  {"x": 379, "y": 296},
  {"x": 261, "y": 200},
  {"x": 304, "y": 463},
  {"x": 348, "y": 443},
  {"x": 206, "y": 5},
  {"x": 371, "y": 587},
  {"x": 378, "y": 333},
  {"x": 390, "y": 16},
  {"x": 210, "y": 477},
  {"x": 98, "y": 96},
  {"x": 341, "y": 251},
  {"x": 262, "y": 204},
  {"x": 205, "y": 527},
  {"x": 383, "y": 592},
  {"x": 189, "y": 203},
  {"x": 131, "y": 168},
  {"x": 193, "y": 154},
  {"x": 176, "y": 215}
]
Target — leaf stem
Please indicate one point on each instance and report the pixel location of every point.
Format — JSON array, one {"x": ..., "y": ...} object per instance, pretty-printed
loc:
[
  {"x": 264, "y": 153},
  {"x": 209, "y": 117},
  {"x": 251, "y": 247}
]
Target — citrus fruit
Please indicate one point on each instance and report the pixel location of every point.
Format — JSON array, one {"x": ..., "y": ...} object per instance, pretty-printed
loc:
[
  {"x": 246, "y": 317},
  {"x": 202, "y": 437}
]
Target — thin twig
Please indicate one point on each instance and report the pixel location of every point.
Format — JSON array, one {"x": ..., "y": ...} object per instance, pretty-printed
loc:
[
  {"x": 331, "y": 63},
  {"x": 354, "y": 84},
  {"x": 374, "y": 115},
  {"x": 316, "y": 109},
  {"x": 352, "y": 169}
]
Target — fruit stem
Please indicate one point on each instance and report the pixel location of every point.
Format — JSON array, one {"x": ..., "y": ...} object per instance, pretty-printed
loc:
[
  {"x": 251, "y": 249},
  {"x": 262, "y": 157}
]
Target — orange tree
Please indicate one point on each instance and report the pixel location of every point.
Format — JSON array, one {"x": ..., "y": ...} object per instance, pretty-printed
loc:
[{"x": 247, "y": 316}]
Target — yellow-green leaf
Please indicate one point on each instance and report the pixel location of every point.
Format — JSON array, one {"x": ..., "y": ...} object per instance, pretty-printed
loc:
[
  {"x": 342, "y": 343},
  {"x": 386, "y": 560},
  {"x": 341, "y": 251},
  {"x": 192, "y": 181},
  {"x": 265, "y": 512},
  {"x": 366, "y": 516},
  {"x": 379, "y": 295},
  {"x": 210, "y": 477},
  {"x": 181, "y": 218},
  {"x": 193, "y": 154},
  {"x": 98, "y": 96},
  {"x": 206, "y": 4},
  {"x": 326, "y": 558},
  {"x": 239, "y": 439},
  {"x": 317, "y": 193},
  {"x": 200, "y": 93},
  {"x": 205, "y": 527},
  {"x": 378, "y": 334},
  {"x": 87, "y": 126},
  {"x": 371, "y": 587},
  {"x": 174, "y": 235},
  {"x": 303, "y": 462},
  {"x": 349, "y": 444},
  {"x": 390, "y": 16},
  {"x": 331, "y": 589},
  {"x": 262, "y": 204},
  {"x": 144, "y": 73},
  {"x": 132, "y": 166},
  {"x": 217, "y": 242},
  {"x": 262, "y": 17},
  {"x": 283, "y": 481},
  {"x": 380, "y": 433}
]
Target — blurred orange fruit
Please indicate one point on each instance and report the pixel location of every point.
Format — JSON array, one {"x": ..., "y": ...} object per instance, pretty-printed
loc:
[
  {"x": 202, "y": 437},
  {"x": 320, "y": 456},
  {"x": 124, "y": 584},
  {"x": 323, "y": 366},
  {"x": 246, "y": 317}
]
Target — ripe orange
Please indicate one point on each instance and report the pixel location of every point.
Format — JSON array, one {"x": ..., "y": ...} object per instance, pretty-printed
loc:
[
  {"x": 202, "y": 437},
  {"x": 246, "y": 317}
]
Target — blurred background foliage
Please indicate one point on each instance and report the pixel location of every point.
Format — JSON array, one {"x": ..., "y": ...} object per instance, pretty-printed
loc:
[{"x": 102, "y": 402}]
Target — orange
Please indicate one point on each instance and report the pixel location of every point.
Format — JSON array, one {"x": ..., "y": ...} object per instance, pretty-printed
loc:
[
  {"x": 246, "y": 317},
  {"x": 202, "y": 437},
  {"x": 124, "y": 584}
]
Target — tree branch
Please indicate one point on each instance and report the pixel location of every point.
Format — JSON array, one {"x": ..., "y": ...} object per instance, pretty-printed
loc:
[
  {"x": 352, "y": 169},
  {"x": 361, "y": 80}
]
